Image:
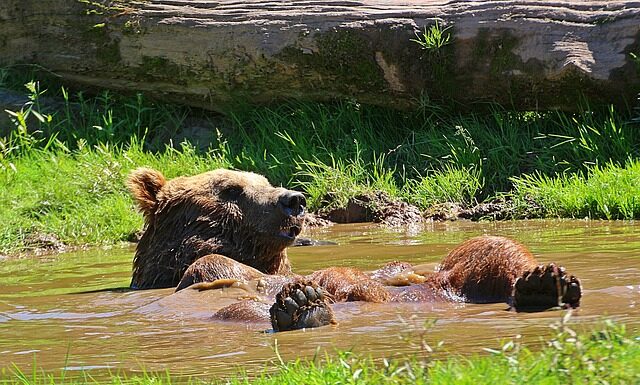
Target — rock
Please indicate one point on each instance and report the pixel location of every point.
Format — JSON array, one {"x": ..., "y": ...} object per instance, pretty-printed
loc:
[
  {"x": 42, "y": 243},
  {"x": 206, "y": 53},
  {"x": 313, "y": 221},
  {"x": 500, "y": 208},
  {"x": 375, "y": 207}
]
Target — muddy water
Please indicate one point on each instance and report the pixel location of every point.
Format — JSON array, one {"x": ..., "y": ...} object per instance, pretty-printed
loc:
[{"x": 62, "y": 310}]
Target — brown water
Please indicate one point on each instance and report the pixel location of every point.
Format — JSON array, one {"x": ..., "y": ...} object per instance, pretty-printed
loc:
[{"x": 48, "y": 312}]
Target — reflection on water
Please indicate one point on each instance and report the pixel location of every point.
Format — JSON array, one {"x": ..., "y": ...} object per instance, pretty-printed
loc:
[{"x": 54, "y": 307}]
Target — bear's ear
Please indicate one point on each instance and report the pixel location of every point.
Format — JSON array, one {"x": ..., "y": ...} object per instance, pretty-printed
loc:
[{"x": 144, "y": 184}]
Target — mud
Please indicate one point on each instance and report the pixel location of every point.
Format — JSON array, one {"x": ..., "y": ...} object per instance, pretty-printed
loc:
[
  {"x": 313, "y": 220},
  {"x": 501, "y": 208},
  {"x": 498, "y": 209},
  {"x": 376, "y": 207},
  {"x": 379, "y": 208},
  {"x": 42, "y": 243}
]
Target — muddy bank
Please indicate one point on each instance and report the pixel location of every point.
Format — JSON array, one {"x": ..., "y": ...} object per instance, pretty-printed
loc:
[
  {"x": 376, "y": 207},
  {"x": 502, "y": 208},
  {"x": 379, "y": 207},
  {"x": 530, "y": 55}
]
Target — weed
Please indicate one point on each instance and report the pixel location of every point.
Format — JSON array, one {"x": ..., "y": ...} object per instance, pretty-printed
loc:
[
  {"x": 608, "y": 191},
  {"x": 451, "y": 184},
  {"x": 433, "y": 38},
  {"x": 23, "y": 139}
]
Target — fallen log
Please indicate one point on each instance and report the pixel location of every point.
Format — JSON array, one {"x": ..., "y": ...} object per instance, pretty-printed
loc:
[{"x": 210, "y": 53}]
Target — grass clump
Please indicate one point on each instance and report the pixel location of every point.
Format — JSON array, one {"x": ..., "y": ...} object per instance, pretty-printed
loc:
[
  {"x": 610, "y": 191},
  {"x": 607, "y": 355},
  {"x": 450, "y": 185},
  {"x": 433, "y": 38},
  {"x": 331, "y": 185},
  {"x": 79, "y": 196}
]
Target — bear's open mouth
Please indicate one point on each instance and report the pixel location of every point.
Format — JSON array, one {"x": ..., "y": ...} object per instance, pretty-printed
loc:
[{"x": 290, "y": 233}]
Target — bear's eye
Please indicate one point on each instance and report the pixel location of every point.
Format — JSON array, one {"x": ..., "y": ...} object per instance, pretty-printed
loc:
[{"x": 230, "y": 193}]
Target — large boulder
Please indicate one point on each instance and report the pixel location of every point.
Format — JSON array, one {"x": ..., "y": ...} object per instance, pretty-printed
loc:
[{"x": 209, "y": 53}]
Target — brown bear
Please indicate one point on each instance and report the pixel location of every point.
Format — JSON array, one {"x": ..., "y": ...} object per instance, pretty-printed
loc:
[
  {"x": 224, "y": 227},
  {"x": 485, "y": 269},
  {"x": 233, "y": 213}
]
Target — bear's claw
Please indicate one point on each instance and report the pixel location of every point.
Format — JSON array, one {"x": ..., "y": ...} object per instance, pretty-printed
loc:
[
  {"x": 300, "y": 305},
  {"x": 546, "y": 287}
]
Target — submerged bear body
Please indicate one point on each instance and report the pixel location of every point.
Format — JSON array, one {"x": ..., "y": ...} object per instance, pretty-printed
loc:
[{"x": 485, "y": 269}]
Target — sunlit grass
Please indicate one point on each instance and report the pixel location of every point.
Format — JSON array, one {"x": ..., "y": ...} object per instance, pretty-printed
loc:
[
  {"x": 449, "y": 185},
  {"x": 610, "y": 191},
  {"x": 606, "y": 355},
  {"x": 80, "y": 196},
  {"x": 62, "y": 168},
  {"x": 331, "y": 185}
]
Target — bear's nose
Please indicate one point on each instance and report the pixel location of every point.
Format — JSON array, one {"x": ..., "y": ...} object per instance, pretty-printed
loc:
[{"x": 292, "y": 203}]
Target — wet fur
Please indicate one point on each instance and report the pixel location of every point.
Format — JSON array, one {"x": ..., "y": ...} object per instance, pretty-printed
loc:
[
  {"x": 349, "y": 284},
  {"x": 484, "y": 269},
  {"x": 480, "y": 270},
  {"x": 225, "y": 212},
  {"x": 214, "y": 267}
]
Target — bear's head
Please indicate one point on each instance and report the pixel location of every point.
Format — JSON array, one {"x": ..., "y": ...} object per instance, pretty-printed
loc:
[{"x": 233, "y": 213}]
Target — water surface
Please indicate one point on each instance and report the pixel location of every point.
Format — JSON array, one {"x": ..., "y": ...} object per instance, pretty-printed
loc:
[{"x": 56, "y": 309}]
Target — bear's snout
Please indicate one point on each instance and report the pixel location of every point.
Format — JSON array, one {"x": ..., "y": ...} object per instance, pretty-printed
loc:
[{"x": 292, "y": 203}]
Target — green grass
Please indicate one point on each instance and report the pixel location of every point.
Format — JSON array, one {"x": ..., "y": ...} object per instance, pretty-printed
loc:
[
  {"x": 433, "y": 38},
  {"x": 79, "y": 196},
  {"x": 606, "y": 355},
  {"x": 63, "y": 163},
  {"x": 330, "y": 185},
  {"x": 610, "y": 191},
  {"x": 451, "y": 184}
]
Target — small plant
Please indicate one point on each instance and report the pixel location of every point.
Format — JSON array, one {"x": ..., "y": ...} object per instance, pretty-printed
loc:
[
  {"x": 433, "y": 38},
  {"x": 22, "y": 139}
]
